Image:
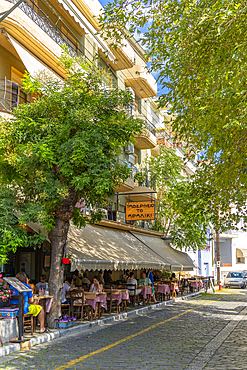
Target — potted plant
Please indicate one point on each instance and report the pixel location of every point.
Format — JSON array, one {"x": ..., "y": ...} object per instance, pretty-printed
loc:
[
  {"x": 66, "y": 260},
  {"x": 5, "y": 292}
]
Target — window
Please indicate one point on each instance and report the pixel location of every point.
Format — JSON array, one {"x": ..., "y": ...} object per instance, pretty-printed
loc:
[
  {"x": 18, "y": 95},
  {"x": 110, "y": 80}
]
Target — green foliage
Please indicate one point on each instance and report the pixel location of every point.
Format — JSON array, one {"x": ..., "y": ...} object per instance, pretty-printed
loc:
[
  {"x": 199, "y": 50},
  {"x": 65, "y": 142},
  {"x": 187, "y": 207}
]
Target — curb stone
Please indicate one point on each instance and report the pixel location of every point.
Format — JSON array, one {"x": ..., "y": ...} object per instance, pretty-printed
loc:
[{"x": 11, "y": 348}]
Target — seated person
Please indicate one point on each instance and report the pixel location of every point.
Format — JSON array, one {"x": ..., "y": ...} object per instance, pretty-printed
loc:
[
  {"x": 157, "y": 276},
  {"x": 66, "y": 288},
  {"x": 132, "y": 281},
  {"x": 42, "y": 285},
  {"x": 85, "y": 279},
  {"x": 107, "y": 277},
  {"x": 146, "y": 281},
  {"x": 76, "y": 280},
  {"x": 35, "y": 310},
  {"x": 96, "y": 287},
  {"x": 30, "y": 284}
]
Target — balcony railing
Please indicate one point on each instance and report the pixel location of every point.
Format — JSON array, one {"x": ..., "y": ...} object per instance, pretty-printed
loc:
[
  {"x": 11, "y": 95},
  {"x": 38, "y": 16}
]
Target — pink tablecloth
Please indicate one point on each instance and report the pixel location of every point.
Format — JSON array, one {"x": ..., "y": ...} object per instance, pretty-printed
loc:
[
  {"x": 200, "y": 284},
  {"x": 164, "y": 289},
  {"x": 99, "y": 298},
  {"x": 194, "y": 284},
  {"x": 48, "y": 304},
  {"x": 147, "y": 290},
  {"x": 174, "y": 288},
  {"x": 123, "y": 296}
]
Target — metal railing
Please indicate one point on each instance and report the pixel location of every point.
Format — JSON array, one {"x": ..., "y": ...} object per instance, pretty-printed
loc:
[
  {"x": 32, "y": 10},
  {"x": 11, "y": 95}
]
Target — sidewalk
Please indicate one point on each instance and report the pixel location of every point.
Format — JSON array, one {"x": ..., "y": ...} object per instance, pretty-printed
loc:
[{"x": 79, "y": 327}]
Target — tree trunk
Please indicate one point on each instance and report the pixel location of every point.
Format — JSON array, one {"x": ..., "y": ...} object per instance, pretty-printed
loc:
[{"x": 58, "y": 238}]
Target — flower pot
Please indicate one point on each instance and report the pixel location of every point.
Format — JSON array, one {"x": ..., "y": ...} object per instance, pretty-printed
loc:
[{"x": 66, "y": 261}]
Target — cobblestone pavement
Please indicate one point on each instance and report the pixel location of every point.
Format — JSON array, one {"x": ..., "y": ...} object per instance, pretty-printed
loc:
[{"x": 209, "y": 332}]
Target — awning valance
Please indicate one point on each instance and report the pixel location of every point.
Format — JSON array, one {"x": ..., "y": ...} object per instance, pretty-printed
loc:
[
  {"x": 97, "y": 247},
  {"x": 175, "y": 258}
]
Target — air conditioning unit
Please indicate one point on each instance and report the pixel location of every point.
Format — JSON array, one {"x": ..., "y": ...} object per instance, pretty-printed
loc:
[
  {"x": 129, "y": 149},
  {"x": 131, "y": 91},
  {"x": 132, "y": 159}
]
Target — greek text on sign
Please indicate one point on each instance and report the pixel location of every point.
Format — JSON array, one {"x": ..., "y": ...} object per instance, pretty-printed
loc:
[{"x": 140, "y": 211}]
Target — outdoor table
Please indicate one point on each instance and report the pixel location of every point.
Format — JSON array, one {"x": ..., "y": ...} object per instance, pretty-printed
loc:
[
  {"x": 174, "y": 289},
  {"x": 46, "y": 303},
  {"x": 100, "y": 299},
  {"x": 125, "y": 296},
  {"x": 119, "y": 295},
  {"x": 162, "y": 289},
  {"x": 147, "y": 293},
  {"x": 196, "y": 284}
]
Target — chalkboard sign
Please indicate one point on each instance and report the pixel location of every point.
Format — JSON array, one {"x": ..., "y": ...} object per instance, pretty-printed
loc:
[
  {"x": 21, "y": 288},
  {"x": 17, "y": 284}
]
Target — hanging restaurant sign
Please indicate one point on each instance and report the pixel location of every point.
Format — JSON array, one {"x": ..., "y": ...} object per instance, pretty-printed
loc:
[{"x": 140, "y": 211}]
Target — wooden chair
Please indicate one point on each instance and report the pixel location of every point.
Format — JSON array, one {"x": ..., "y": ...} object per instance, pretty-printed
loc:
[
  {"x": 77, "y": 303},
  {"x": 135, "y": 296},
  {"x": 28, "y": 319},
  {"x": 65, "y": 308},
  {"x": 112, "y": 300}
]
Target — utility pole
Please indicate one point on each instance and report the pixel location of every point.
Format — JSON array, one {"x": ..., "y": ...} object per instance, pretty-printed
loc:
[
  {"x": 218, "y": 255},
  {"x": 5, "y": 14}
]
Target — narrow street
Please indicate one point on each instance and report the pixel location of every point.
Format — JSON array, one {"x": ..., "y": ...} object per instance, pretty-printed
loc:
[{"x": 204, "y": 333}]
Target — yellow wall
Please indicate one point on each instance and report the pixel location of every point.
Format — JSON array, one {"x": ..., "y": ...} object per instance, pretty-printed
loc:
[{"x": 6, "y": 61}]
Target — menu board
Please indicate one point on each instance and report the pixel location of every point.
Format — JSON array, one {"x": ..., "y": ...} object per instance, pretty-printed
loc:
[{"x": 17, "y": 284}]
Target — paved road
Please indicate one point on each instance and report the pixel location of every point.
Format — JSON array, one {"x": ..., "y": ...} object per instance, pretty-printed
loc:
[{"x": 205, "y": 333}]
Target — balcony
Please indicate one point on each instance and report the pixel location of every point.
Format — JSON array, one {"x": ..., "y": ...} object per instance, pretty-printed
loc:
[
  {"x": 11, "y": 95},
  {"x": 124, "y": 56},
  {"x": 141, "y": 81},
  {"x": 38, "y": 16},
  {"x": 146, "y": 139},
  {"x": 128, "y": 185}
]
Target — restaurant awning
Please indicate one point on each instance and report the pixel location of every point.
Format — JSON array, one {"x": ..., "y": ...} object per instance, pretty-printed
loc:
[
  {"x": 175, "y": 258},
  {"x": 98, "y": 247}
]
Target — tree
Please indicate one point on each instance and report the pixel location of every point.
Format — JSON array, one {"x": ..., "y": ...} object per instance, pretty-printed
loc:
[
  {"x": 198, "y": 48},
  {"x": 186, "y": 207},
  {"x": 58, "y": 149}
]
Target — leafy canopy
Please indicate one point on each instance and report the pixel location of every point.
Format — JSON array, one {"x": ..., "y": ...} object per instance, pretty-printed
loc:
[
  {"x": 186, "y": 207},
  {"x": 199, "y": 50},
  {"x": 65, "y": 142}
]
